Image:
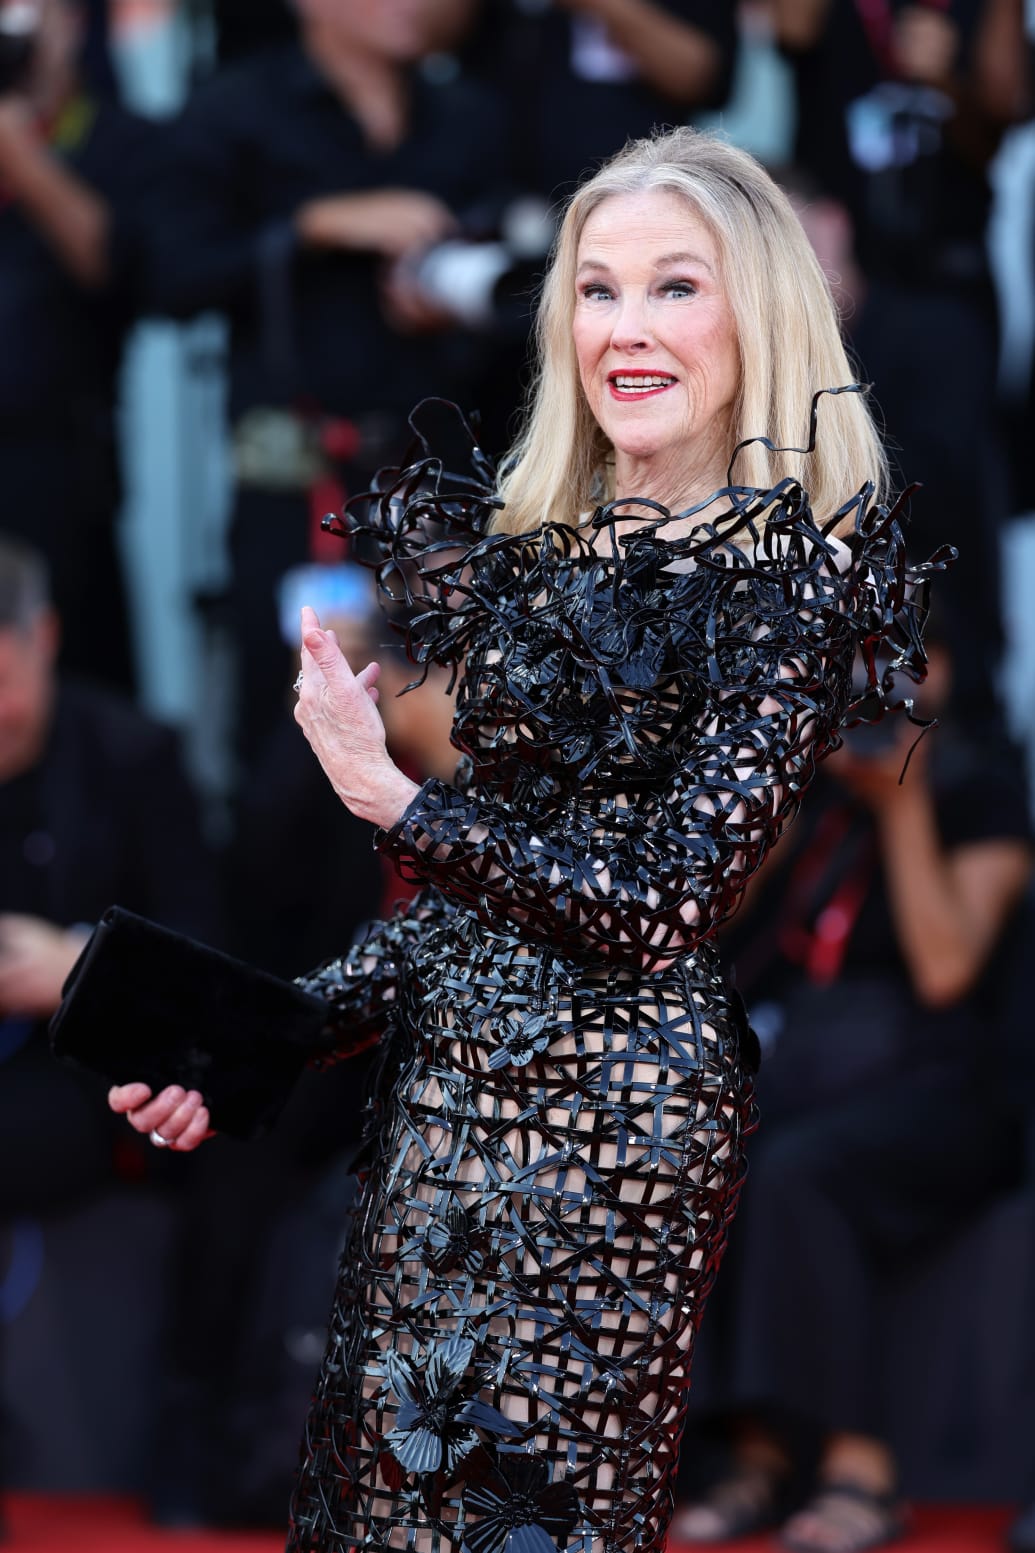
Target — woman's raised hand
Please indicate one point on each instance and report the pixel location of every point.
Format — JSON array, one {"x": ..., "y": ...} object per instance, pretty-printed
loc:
[
  {"x": 173, "y": 1119},
  {"x": 337, "y": 712}
]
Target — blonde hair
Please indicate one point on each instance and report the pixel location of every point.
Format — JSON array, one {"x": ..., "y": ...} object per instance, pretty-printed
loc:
[{"x": 787, "y": 329}]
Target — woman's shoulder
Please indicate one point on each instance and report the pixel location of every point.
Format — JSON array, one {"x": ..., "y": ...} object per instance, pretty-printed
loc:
[{"x": 735, "y": 536}]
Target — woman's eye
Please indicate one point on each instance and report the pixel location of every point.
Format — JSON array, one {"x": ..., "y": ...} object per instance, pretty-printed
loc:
[
  {"x": 679, "y": 288},
  {"x": 595, "y": 292}
]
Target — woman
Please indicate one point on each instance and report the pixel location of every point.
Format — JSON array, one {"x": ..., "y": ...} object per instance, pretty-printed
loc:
[{"x": 644, "y": 697}]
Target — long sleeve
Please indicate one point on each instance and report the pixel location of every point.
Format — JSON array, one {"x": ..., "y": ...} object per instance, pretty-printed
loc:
[
  {"x": 639, "y": 879},
  {"x": 362, "y": 987},
  {"x": 638, "y": 876}
]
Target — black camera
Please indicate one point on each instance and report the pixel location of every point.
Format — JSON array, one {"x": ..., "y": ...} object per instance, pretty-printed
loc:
[
  {"x": 19, "y": 26},
  {"x": 897, "y": 137}
]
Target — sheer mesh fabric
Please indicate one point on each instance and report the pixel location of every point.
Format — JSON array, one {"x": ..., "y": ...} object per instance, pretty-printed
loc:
[
  {"x": 566, "y": 1217},
  {"x": 559, "y": 1139}
]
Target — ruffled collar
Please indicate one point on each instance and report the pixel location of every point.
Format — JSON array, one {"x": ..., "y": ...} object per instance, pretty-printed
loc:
[{"x": 436, "y": 556}]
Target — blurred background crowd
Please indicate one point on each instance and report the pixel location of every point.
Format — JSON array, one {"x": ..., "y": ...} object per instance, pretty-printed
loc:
[{"x": 239, "y": 240}]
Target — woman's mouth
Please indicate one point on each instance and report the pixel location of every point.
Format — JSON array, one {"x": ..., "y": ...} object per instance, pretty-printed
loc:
[{"x": 638, "y": 385}]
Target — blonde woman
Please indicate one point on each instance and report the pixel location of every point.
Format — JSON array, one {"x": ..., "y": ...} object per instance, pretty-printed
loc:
[{"x": 653, "y": 660}]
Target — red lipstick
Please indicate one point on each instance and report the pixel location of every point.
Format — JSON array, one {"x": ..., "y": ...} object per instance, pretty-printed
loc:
[{"x": 622, "y": 383}]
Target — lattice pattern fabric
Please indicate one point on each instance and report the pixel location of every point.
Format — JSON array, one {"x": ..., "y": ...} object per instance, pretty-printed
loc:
[{"x": 559, "y": 1131}]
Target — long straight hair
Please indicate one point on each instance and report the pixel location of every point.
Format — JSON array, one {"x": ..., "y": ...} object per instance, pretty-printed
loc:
[{"x": 787, "y": 330}]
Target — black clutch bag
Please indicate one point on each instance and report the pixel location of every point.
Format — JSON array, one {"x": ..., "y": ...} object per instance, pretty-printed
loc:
[{"x": 144, "y": 1003}]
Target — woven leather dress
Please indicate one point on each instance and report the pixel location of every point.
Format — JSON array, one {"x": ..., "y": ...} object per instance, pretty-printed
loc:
[{"x": 565, "y": 1079}]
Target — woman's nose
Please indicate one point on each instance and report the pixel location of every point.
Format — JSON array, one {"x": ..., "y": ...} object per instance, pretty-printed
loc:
[{"x": 631, "y": 328}]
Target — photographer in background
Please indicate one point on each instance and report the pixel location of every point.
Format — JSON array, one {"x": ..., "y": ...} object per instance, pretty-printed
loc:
[
  {"x": 583, "y": 76},
  {"x": 94, "y": 808},
  {"x": 875, "y": 957},
  {"x": 902, "y": 105},
  {"x": 300, "y": 176},
  {"x": 74, "y": 170},
  {"x": 579, "y": 78}
]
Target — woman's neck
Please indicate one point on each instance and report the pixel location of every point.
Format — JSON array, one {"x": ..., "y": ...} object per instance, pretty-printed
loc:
[
  {"x": 673, "y": 481},
  {"x": 374, "y": 90}
]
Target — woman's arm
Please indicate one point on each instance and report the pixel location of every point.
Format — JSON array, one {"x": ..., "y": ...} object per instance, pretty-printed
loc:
[
  {"x": 360, "y": 990},
  {"x": 635, "y": 881},
  {"x": 361, "y": 987},
  {"x": 638, "y": 881}
]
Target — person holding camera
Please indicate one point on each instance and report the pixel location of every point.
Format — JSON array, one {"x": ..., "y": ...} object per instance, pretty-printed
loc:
[
  {"x": 95, "y": 806},
  {"x": 74, "y": 171},
  {"x": 875, "y": 957},
  {"x": 605, "y": 71},
  {"x": 299, "y": 176},
  {"x": 902, "y": 105}
]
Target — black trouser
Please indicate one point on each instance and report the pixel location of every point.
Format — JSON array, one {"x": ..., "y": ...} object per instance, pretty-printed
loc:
[
  {"x": 884, "y": 1128},
  {"x": 837, "y": 1199}
]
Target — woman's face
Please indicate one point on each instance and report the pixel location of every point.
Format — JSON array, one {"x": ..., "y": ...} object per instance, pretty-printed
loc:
[{"x": 654, "y": 335}]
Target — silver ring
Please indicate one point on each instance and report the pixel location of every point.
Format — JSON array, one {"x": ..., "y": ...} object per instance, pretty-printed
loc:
[
  {"x": 158, "y": 1141},
  {"x": 296, "y": 687}
]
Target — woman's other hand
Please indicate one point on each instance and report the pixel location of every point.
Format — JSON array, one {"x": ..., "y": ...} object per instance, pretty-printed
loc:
[
  {"x": 337, "y": 712},
  {"x": 174, "y": 1118}
]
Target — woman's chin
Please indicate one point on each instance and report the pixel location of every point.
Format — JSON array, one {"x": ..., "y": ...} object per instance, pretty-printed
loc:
[
  {"x": 639, "y": 437},
  {"x": 647, "y": 451}
]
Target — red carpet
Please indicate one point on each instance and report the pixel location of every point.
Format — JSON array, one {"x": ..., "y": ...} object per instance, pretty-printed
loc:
[
  {"x": 45, "y": 1525},
  {"x": 38, "y": 1525}
]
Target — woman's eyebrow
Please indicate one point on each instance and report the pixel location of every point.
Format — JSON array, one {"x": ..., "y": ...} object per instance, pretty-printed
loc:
[
  {"x": 665, "y": 261},
  {"x": 669, "y": 259}
]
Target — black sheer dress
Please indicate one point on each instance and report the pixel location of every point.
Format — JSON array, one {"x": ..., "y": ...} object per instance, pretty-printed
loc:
[{"x": 566, "y": 1076}]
